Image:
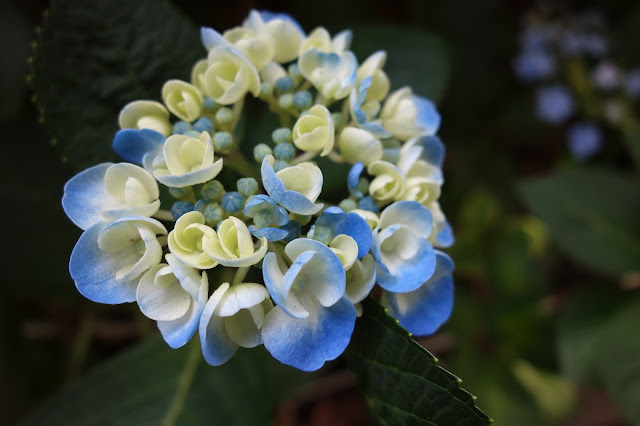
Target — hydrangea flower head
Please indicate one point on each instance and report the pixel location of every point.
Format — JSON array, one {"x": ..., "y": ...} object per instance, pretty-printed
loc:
[{"x": 308, "y": 256}]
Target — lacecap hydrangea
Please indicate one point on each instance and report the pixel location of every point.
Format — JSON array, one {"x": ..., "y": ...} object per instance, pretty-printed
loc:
[{"x": 252, "y": 251}]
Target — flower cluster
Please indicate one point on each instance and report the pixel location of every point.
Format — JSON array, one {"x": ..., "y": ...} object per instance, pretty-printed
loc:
[
  {"x": 270, "y": 261},
  {"x": 578, "y": 83}
]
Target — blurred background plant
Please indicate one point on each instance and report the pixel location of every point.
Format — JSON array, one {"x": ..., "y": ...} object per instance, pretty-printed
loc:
[{"x": 544, "y": 329}]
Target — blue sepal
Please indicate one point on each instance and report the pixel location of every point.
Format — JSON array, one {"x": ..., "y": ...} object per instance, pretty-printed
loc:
[
  {"x": 307, "y": 343},
  {"x": 132, "y": 145}
]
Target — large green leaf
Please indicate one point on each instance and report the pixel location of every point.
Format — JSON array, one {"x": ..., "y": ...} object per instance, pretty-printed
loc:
[
  {"x": 619, "y": 361},
  {"x": 414, "y": 57},
  {"x": 94, "y": 56},
  {"x": 154, "y": 385},
  {"x": 401, "y": 380},
  {"x": 597, "y": 343},
  {"x": 592, "y": 214}
]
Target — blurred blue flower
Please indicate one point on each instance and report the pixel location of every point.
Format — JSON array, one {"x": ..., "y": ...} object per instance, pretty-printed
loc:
[
  {"x": 554, "y": 104},
  {"x": 534, "y": 64},
  {"x": 585, "y": 139}
]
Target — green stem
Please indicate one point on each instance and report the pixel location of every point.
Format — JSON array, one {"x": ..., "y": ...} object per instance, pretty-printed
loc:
[
  {"x": 307, "y": 156},
  {"x": 184, "y": 383},
  {"x": 240, "y": 274},
  {"x": 237, "y": 112},
  {"x": 235, "y": 161}
]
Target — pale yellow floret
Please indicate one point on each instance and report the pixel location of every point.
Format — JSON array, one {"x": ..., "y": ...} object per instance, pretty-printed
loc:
[
  {"x": 229, "y": 76},
  {"x": 389, "y": 182},
  {"x": 346, "y": 248},
  {"x": 232, "y": 245},
  {"x": 145, "y": 115},
  {"x": 185, "y": 241},
  {"x": 184, "y": 100},
  {"x": 314, "y": 131},
  {"x": 358, "y": 145}
]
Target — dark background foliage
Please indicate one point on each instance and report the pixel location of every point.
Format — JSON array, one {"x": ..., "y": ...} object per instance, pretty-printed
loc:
[{"x": 544, "y": 330}]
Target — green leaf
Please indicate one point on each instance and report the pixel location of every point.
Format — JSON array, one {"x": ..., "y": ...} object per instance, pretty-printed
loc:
[
  {"x": 592, "y": 214},
  {"x": 619, "y": 361},
  {"x": 94, "y": 56},
  {"x": 597, "y": 345},
  {"x": 401, "y": 381},
  {"x": 154, "y": 385},
  {"x": 415, "y": 57}
]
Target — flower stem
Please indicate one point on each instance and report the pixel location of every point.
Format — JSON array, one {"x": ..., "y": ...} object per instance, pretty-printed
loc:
[
  {"x": 235, "y": 161},
  {"x": 237, "y": 112},
  {"x": 184, "y": 383},
  {"x": 303, "y": 157},
  {"x": 241, "y": 273}
]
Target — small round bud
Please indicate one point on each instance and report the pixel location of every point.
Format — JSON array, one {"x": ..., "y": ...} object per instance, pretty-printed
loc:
[
  {"x": 247, "y": 186},
  {"x": 203, "y": 124},
  {"x": 224, "y": 116},
  {"x": 337, "y": 119},
  {"x": 181, "y": 127},
  {"x": 284, "y": 84},
  {"x": 222, "y": 141},
  {"x": 208, "y": 104},
  {"x": 260, "y": 151},
  {"x": 294, "y": 72},
  {"x": 347, "y": 205},
  {"x": 183, "y": 193},
  {"x": 302, "y": 100},
  {"x": 279, "y": 165},
  {"x": 368, "y": 203},
  {"x": 285, "y": 101},
  {"x": 192, "y": 134},
  {"x": 266, "y": 91},
  {"x": 284, "y": 151},
  {"x": 212, "y": 190},
  {"x": 232, "y": 202},
  {"x": 181, "y": 207},
  {"x": 281, "y": 135},
  {"x": 201, "y": 205},
  {"x": 213, "y": 214},
  {"x": 362, "y": 186}
]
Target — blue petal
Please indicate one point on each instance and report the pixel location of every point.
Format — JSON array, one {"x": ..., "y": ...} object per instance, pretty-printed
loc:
[
  {"x": 433, "y": 150},
  {"x": 329, "y": 283},
  {"x": 267, "y": 16},
  {"x": 351, "y": 224},
  {"x": 307, "y": 343},
  {"x": 356, "y": 99},
  {"x": 427, "y": 116},
  {"x": 178, "y": 332},
  {"x": 85, "y": 197},
  {"x": 376, "y": 130},
  {"x": 445, "y": 238},
  {"x": 293, "y": 201},
  {"x": 294, "y": 229},
  {"x": 132, "y": 144},
  {"x": 261, "y": 201},
  {"x": 212, "y": 39},
  {"x": 271, "y": 234},
  {"x": 217, "y": 346},
  {"x": 424, "y": 310},
  {"x": 358, "y": 229},
  {"x": 410, "y": 213},
  {"x": 94, "y": 270},
  {"x": 353, "y": 177},
  {"x": 411, "y": 274}
]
